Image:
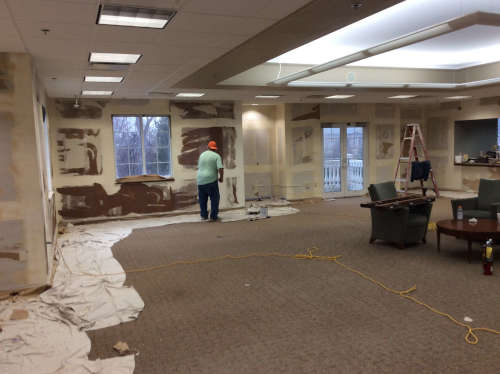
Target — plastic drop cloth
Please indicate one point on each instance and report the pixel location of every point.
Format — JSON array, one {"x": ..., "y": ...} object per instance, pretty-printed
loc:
[{"x": 83, "y": 297}]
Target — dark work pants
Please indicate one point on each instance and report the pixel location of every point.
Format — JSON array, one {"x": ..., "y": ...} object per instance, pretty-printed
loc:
[{"x": 204, "y": 192}]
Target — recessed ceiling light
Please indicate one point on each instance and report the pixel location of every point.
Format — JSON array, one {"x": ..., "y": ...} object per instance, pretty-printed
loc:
[
  {"x": 457, "y": 97},
  {"x": 96, "y": 93},
  {"x": 339, "y": 97},
  {"x": 190, "y": 94},
  {"x": 267, "y": 96},
  {"x": 90, "y": 78},
  {"x": 114, "y": 58},
  {"x": 402, "y": 97},
  {"x": 119, "y": 15}
]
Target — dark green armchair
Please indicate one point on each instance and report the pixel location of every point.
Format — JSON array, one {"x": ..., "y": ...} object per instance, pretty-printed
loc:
[
  {"x": 403, "y": 225},
  {"x": 485, "y": 205}
]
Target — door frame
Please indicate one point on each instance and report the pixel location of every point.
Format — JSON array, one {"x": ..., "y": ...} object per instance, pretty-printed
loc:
[{"x": 343, "y": 154}]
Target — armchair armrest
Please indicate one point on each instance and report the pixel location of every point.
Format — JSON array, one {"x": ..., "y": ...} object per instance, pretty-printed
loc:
[
  {"x": 494, "y": 209},
  {"x": 467, "y": 204}
]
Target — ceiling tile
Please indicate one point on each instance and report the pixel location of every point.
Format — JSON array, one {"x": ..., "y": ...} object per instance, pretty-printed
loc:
[
  {"x": 58, "y": 30},
  {"x": 81, "y": 12},
  {"x": 195, "y": 22},
  {"x": 236, "y": 8},
  {"x": 9, "y": 37},
  {"x": 206, "y": 39},
  {"x": 277, "y": 10}
]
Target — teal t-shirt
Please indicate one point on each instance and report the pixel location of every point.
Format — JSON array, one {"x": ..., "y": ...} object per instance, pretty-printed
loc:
[{"x": 209, "y": 164}]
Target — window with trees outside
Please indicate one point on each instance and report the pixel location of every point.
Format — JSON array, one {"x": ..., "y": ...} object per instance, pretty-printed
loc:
[{"x": 142, "y": 145}]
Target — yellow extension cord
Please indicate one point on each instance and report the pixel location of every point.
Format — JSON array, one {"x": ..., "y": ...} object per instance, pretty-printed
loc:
[{"x": 470, "y": 337}]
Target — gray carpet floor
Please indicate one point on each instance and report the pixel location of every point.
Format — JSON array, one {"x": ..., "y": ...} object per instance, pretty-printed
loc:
[{"x": 279, "y": 315}]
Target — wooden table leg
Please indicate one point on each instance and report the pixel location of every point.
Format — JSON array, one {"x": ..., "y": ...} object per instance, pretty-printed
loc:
[
  {"x": 469, "y": 247},
  {"x": 438, "y": 233}
]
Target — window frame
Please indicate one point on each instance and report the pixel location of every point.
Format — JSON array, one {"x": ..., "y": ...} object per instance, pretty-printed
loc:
[{"x": 170, "y": 177}]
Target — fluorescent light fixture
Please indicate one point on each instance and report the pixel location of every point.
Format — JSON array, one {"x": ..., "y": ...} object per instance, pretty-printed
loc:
[
  {"x": 378, "y": 85},
  {"x": 90, "y": 78},
  {"x": 189, "y": 94},
  {"x": 96, "y": 93},
  {"x": 483, "y": 82},
  {"x": 316, "y": 84},
  {"x": 119, "y": 15},
  {"x": 292, "y": 77},
  {"x": 339, "y": 62},
  {"x": 267, "y": 96},
  {"x": 254, "y": 104},
  {"x": 402, "y": 97},
  {"x": 457, "y": 97},
  {"x": 411, "y": 38},
  {"x": 114, "y": 58},
  {"x": 339, "y": 97},
  {"x": 432, "y": 85}
]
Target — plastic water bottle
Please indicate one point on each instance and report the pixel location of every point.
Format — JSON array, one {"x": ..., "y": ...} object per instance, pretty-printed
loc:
[{"x": 460, "y": 213}]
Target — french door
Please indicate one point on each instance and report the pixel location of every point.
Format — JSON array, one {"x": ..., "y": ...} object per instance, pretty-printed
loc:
[{"x": 344, "y": 160}]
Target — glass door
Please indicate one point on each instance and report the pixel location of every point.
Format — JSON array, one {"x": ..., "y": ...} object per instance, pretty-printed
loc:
[{"x": 344, "y": 165}]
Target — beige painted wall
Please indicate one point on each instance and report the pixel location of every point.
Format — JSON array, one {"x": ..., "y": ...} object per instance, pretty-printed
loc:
[
  {"x": 297, "y": 167},
  {"x": 21, "y": 207},
  {"x": 441, "y": 124},
  {"x": 183, "y": 177}
]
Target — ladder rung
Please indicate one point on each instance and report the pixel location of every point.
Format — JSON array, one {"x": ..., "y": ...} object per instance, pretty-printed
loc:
[
  {"x": 400, "y": 180},
  {"x": 407, "y": 138},
  {"x": 404, "y": 159}
]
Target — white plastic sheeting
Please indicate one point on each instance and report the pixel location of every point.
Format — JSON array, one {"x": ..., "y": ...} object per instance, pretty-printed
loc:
[
  {"x": 88, "y": 293},
  {"x": 47, "y": 343}
]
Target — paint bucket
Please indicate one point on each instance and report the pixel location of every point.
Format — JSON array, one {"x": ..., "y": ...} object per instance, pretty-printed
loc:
[{"x": 264, "y": 212}]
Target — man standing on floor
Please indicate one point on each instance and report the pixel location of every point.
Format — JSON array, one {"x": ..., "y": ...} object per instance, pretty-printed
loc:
[{"x": 209, "y": 167}]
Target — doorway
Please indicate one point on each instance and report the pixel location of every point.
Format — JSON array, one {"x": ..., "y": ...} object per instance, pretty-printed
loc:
[{"x": 344, "y": 160}]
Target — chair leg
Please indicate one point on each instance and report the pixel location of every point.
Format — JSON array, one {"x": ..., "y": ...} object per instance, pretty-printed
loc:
[
  {"x": 424, "y": 240},
  {"x": 372, "y": 240},
  {"x": 400, "y": 245}
]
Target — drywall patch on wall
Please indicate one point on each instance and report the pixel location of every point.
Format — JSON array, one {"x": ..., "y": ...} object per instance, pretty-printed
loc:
[
  {"x": 302, "y": 181},
  {"x": 195, "y": 140},
  {"x": 257, "y": 145},
  {"x": 385, "y": 110},
  {"x": 384, "y": 138},
  {"x": 302, "y": 145},
  {"x": 93, "y": 201},
  {"x": 437, "y": 133},
  {"x": 204, "y": 110},
  {"x": 86, "y": 109},
  {"x": 302, "y": 112},
  {"x": 258, "y": 185},
  {"x": 11, "y": 239},
  {"x": 7, "y": 182},
  {"x": 232, "y": 190},
  {"x": 79, "y": 151}
]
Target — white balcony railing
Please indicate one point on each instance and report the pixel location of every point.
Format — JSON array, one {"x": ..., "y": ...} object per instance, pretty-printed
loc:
[{"x": 333, "y": 177}]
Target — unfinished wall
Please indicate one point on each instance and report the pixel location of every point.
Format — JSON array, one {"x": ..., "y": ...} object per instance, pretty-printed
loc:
[
  {"x": 259, "y": 143},
  {"x": 23, "y": 257},
  {"x": 89, "y": 193},
  {"x": 441, "y": 128}
]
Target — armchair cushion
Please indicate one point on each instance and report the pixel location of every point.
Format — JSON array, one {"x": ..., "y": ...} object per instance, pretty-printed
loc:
[
  {"x": 467, "y": 204},
  {"x": 382, "y": 191},
  {"x": 417, "y": 220},
  {"x": 489, "y": 193}
]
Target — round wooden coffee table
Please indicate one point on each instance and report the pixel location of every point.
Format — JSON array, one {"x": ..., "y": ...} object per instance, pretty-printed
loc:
[{"x": 483, "y": 230}]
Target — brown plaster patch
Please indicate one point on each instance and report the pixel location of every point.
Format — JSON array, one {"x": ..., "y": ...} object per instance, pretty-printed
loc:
[
  {"x": 140, "y": 198},
  {"x": 204, "y": 110},
  {"x": 7, "y": 69},
  {"x": 384, "y": 137},
  {"x": 87, "y": 109},
  {"x": 302, "y": 112},
  {"x": 195, "y": 141},
  {"x": 232, "y": 192},
  {"x": 79, "y": 151}
]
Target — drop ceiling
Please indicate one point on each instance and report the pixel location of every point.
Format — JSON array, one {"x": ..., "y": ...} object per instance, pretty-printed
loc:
[{"x": 222, "y": 47}]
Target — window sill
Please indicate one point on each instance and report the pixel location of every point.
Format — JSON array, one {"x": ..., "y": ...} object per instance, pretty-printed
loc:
[{"x": 144, "y": 178}]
